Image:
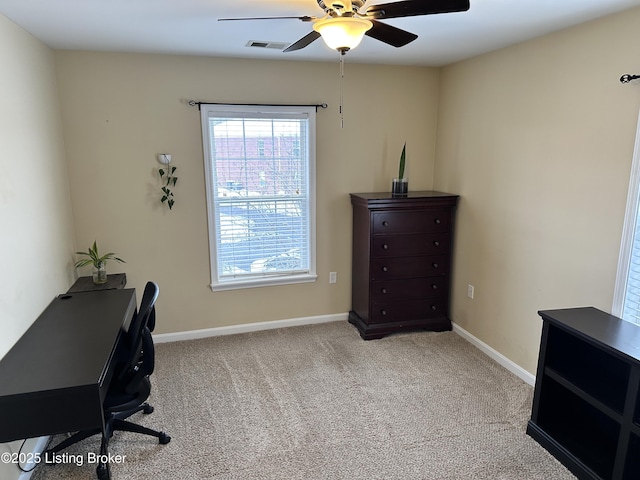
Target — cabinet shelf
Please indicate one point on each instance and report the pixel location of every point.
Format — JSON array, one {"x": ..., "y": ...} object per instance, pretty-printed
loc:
[
  {"x": 632, "y": 466},
  {"x": 586, "y": 405},
  {"x": 636, "y": 414},
  {"x": 588, "y": 367},
  {"x": 582, "y": 429},
  {"x": 583, "y": 395}
]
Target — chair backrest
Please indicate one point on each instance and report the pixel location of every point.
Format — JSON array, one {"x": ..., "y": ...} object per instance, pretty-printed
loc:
[
  {"x": 142, "y": 316},
  {"x": 137, "y": 357}
]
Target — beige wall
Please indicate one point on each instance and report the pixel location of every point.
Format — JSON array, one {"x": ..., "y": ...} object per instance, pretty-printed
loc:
[
  {"x": 120, "y": 110},
  {"x": 35, "y": 209},
  {"x": 538, "y": 140}
]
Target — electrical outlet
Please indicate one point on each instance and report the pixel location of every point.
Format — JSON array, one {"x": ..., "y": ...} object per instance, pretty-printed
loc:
[
  {"x": 333, "y": 277},
  {"x": 470, "y": 291}
]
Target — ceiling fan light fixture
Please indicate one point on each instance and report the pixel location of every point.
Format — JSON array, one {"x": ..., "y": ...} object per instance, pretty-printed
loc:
[{"x": 342, "y": 33}]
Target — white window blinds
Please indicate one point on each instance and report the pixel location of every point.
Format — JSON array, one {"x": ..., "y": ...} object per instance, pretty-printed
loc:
[
  {"x": 259, "y": 163},
  {"x": 631, "y": 305},
  {"x": 626, "y": 301}
]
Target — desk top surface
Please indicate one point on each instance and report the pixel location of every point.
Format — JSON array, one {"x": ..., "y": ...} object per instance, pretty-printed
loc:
[{"x": 69, "y": 344}]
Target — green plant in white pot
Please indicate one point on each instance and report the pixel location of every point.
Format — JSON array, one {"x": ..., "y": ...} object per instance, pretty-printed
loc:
[
  {"x": 98, "y": 261},
  {"x": 400, "y": 185}
]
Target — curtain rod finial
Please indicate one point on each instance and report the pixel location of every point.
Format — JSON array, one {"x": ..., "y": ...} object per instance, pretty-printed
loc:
[{"x": 626, "y": 78}]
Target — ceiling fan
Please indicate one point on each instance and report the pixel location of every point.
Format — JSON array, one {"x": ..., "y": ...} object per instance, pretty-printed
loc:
[{"x": 347, "y": 21}]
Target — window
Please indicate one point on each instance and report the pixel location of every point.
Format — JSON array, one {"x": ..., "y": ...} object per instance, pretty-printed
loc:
[
  {"x": 260, "y": 167},
  {"x": 626, "y": 299}
]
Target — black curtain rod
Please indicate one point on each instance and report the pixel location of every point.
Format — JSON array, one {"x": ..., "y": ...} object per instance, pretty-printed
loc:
[
  {"x": 626, "y": 78},
  {"x": 316, "y": 105}
]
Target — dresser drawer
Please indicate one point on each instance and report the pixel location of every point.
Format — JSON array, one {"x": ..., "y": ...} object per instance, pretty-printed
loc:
[
  {"x": 423, "y": 221},
  {"x": 407, "y": 245},
  {"x": 429, "y": 287},
  {"x": 408, "y": 267},
  {"x": 407, "y": 310}
]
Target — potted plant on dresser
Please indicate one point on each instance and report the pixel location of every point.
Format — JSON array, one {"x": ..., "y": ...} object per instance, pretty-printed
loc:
[{"x": 400, "y": 185}]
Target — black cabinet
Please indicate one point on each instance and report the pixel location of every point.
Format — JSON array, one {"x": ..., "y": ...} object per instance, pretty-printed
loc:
[
  {"x": 586, "y": 406},
  {"x": 402, "y": 249}
]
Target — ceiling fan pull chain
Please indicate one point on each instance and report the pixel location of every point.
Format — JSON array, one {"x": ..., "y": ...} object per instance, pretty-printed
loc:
[{"x": 341, "y": 96}]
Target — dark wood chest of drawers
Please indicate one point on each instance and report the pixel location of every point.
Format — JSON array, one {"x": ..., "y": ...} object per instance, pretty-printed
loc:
[{"x": 401, "y": 262}]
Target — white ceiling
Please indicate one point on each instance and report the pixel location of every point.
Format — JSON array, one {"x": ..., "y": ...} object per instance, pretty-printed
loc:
[{"x": 191, "y": 27}]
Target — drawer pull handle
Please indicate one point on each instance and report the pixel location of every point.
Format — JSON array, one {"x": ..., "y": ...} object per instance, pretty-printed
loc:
[
  {"x": 385, "y": 247},
  {"x": 435, "y": 265},
  {"x": 437, "y": 221},
  {"x": 436, "y": 243},
  {"x": 385, "y": 223},
  {"x": 385, "y": 269},
  {"x": 433, "y": 307},
  {"x": 383, "y": 312},
  {"x": 384, "y": 291},
  {"x": 434, "y": 286}
]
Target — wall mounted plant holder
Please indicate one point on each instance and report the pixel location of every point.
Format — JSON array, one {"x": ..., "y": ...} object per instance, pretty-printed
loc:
[
  {"x": 164, "y": 158},
  {"x": 168, "y": 178}
]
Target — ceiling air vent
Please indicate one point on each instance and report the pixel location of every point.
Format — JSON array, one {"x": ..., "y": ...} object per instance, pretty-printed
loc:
[{"x": 274, "y": 45}]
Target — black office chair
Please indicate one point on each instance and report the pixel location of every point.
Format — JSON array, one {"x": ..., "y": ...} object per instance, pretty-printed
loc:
[{"x": 130, "y": 386}]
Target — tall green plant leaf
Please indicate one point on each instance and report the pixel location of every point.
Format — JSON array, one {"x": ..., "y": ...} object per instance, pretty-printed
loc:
[{"x": 402, "y": 161}]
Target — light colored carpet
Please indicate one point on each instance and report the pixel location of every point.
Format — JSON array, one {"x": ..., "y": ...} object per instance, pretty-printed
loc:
[{"x": 318, "y": 402}]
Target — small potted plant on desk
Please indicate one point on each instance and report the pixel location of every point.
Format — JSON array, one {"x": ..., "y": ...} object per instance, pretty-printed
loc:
[
  {"x": 99, "y": 263},
  {"x": 400, "y": 186}
]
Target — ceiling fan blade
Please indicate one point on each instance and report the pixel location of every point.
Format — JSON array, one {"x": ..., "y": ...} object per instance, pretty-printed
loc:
[
  {"x": 390, "y": 35},
  {"x": 303, "y": 42},
  {"x": 304, "y": 18},
  {"x": 412, "y": 8}
]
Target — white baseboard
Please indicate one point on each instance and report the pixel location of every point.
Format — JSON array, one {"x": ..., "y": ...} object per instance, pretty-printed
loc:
[
  {"x": 495, "y": 355},
  {"x": 247, "y": 327}
]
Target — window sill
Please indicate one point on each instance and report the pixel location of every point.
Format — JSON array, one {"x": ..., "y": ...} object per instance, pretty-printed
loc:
[{"x": 263, "y": 282}]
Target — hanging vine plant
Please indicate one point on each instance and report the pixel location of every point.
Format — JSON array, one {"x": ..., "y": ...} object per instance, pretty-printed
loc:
[{"x": 168, "y": 182}]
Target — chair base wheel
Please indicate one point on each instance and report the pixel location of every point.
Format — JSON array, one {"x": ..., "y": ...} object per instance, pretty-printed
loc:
[
  {"x": 164, "y": 438},
  {"x": 147, "y": 409}
]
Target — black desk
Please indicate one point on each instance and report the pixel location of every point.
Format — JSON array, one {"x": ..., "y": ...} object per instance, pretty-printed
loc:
[{"x": 55, "y": 377}]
